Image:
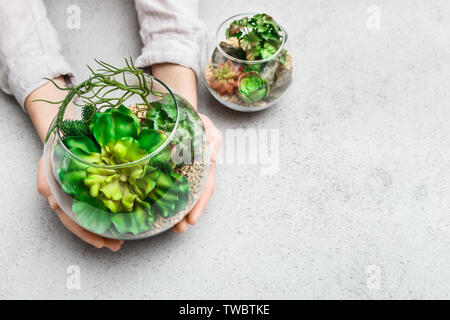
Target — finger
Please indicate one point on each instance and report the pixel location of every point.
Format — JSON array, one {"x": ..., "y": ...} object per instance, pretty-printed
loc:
[
  {"x": 81, "y": 233},
  {"x": 181, "y": 226},
  {"x": 211, "y": 129},
  {"x": 214, "y": 137},
  {"x": 42, "y": 184},
  {"x": 214, "y": 147},
  {"x": 112, "y": 244},
  {"x": 218, "y": 139},
  {"x": 89, "y": 237},
  {"x": 204, "y": 198},
  {"x": 52, "y": 202},
  {"x": 206, "y": 121}
]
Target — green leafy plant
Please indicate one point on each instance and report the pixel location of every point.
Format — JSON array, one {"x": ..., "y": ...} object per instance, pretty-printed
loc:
[
  {"x": 109, "y": 194},
  {"x": 282, "y": 56},
  {"x": 252, "y": 67},
  {"x": 129, "y": 197},
  {"x": 259, "y": 36},
  {"x": 95, "y": 91},
  {"x": 74, "y": 128},
  {"x": 87, "y": 112},
  {"x": 252, "y": 87},
  {"x": 224, "y": 77},
  {"x": 78, "y": 127}
]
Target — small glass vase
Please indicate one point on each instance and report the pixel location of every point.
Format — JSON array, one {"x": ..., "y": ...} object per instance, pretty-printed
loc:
[{"x": 268, "y": 79}]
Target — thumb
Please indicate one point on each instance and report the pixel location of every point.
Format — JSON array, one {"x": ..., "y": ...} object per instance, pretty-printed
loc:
[{"x": 52, "y": 202}]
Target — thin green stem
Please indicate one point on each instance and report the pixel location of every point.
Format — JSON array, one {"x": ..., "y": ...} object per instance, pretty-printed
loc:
[{"x": 102, "y": 79}]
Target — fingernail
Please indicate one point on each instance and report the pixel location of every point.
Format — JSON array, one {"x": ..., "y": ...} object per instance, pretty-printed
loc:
[
  {"x": 98, "y": 244},
  {"x": 52, "y": 202}
]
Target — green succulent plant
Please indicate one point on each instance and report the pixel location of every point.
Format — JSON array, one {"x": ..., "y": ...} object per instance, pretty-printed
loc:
[
  {"x": 108, "y": 194},
  {"x": 252, "y": 67},
  {"x": 133, "y": 195},
  {"x": 74, "y": 128},
  {"x": 87, "y": 112},
  {"x": 224, "y": 77},
  {"x": 162, "y": 117},
  {"x": 282, "y": 56},
  {"x": 252, "y": 87},
  {"x": 78, "y": 127},
  {"x": 259, "y": 36}
]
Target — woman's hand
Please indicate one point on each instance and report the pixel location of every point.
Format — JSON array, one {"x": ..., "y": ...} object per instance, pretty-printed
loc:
[
  {"x": 42, "y": 114},
  {"x": 215, "y": 142}
]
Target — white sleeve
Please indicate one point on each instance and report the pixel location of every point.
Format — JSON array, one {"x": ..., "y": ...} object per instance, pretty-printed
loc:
[
  {"x": 171, "y": 32},
  {"x": 29, "y": 48}
]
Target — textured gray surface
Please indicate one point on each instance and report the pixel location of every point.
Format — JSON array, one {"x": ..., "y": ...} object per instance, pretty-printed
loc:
[{"x": 359, "y": 208}]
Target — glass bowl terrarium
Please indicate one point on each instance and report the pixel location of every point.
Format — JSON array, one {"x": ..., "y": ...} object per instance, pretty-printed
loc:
[
  {"x": 246, "y": 65},
  {"x": 125, "y": 158}
]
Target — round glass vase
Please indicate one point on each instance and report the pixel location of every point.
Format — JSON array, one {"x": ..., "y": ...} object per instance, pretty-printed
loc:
[
  {"x": 157, "y": 190},
  {"x": 250, "y": 85}
]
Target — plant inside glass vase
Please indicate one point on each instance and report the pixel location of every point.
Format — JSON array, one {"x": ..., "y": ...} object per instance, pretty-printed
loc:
[
  {"x": 251, "y": 67},
  {"x": 252, "y": 87},
  {"x": 118, "y": 168},
  {"x": 259, "y": 36},
  {"x": 224, "y": 77}
]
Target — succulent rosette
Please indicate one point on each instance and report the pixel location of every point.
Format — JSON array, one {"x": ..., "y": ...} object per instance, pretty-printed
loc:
[
  {"x": 125, "y": 198},
  {"x": 252, "y": 87},
  {"x": 224, "y": 77}
]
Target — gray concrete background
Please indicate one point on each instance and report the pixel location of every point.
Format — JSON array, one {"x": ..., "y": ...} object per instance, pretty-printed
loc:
[{"x": 359, "y": 208}]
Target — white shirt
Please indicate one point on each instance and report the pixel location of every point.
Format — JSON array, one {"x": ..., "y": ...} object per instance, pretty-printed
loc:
[{"x": 30, "y": 50}]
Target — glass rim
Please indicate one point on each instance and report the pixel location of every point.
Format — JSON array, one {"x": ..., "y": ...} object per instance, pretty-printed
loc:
[
  {"x": 283, "y": 42},
  {"x": 136, "y": 162}
]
